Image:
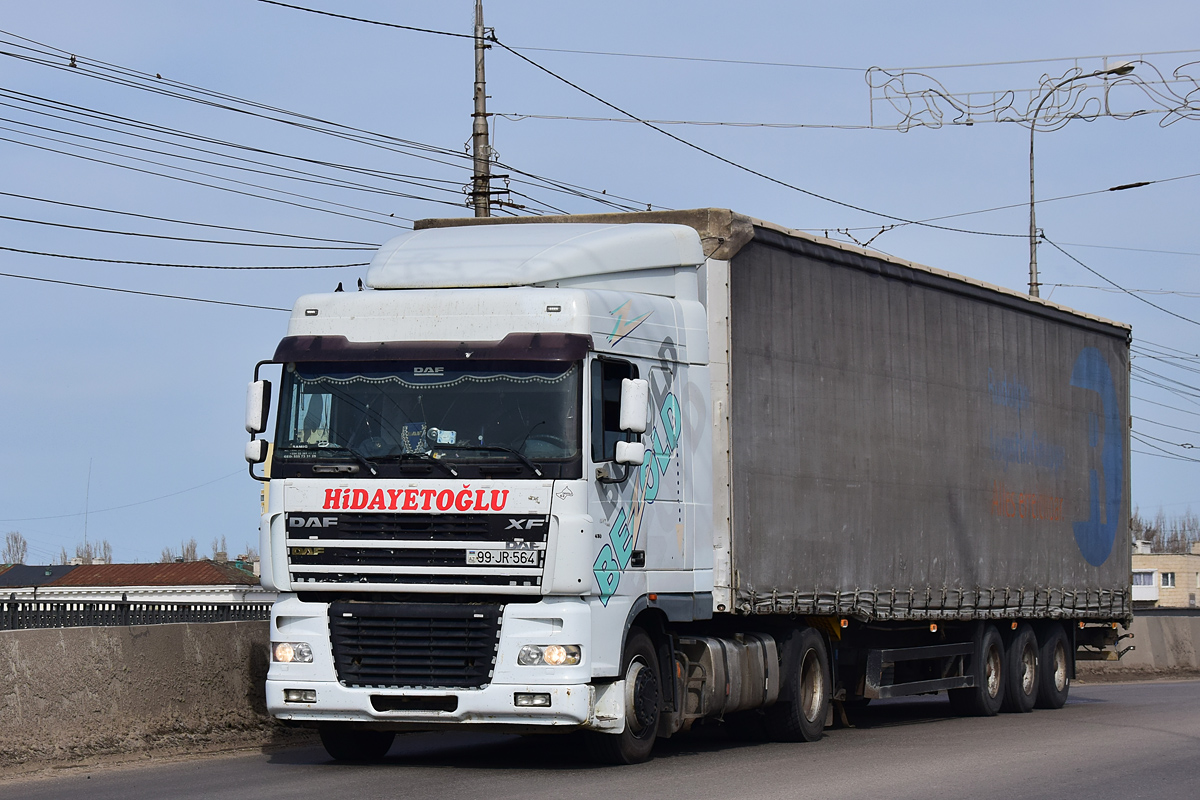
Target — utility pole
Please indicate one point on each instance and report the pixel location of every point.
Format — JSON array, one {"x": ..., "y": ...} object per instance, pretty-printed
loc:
[{"x": 481, "y": 182}]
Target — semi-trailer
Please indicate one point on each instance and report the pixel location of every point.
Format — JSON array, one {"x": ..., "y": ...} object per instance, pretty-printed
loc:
[{"x": 620, "y": 473}]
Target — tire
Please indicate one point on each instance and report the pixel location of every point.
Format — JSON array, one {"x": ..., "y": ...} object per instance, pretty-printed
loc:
[
  {"x": 805, "y": 690},
  {"x": 1055, "y": 659},
  {"x": 1023, "y": 670},
  {"x": 347, "y": 744},
  {"x": 986, "y": 697},
  {"x": 643, "y": 705}
]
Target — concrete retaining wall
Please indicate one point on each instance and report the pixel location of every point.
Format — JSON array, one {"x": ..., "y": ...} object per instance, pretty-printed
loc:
[{"x": 69, "y": 693}]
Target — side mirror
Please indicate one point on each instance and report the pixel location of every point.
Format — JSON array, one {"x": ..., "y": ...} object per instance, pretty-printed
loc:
[
  {"x": 256, "y": 451},
  {"x": 258, "y": 406},
  {"x": 635, "y": 400},
  {"x": 632, "y": 453}
]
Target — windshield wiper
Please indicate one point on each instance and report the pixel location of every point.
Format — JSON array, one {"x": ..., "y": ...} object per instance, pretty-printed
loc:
[{"x": 499, "y": 448}]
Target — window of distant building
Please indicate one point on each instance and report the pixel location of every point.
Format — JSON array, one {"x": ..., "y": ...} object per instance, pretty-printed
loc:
[
  {"x": 1168, "y": 580},
  {"x": 1143, "y": 579}
]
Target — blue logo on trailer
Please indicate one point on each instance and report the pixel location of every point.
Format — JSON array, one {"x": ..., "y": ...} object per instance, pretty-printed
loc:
[{"x": 1096, "y": 538}]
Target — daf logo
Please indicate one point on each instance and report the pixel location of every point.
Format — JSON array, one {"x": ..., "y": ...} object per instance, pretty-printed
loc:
[
  {"x": 525, "y": 524},
  {"x": 429, "y": 370},
  {"x": 312, "y": 522}
]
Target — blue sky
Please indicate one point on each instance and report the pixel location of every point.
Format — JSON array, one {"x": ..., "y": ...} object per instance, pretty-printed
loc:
[{"x": 148, "y": 392}]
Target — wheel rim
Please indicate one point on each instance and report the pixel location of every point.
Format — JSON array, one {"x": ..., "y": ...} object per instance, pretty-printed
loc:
[
  {"x": 1028, "y": 669},
  {"x": 812, "y": 686},
  {"x": 641, "y": 697},
  {"x": 992, "y": 672},
  {"x": 1060, "y": 667}
]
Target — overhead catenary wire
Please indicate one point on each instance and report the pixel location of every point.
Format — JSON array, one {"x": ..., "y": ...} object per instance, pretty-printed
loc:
[{"x": 145, "y": 294}]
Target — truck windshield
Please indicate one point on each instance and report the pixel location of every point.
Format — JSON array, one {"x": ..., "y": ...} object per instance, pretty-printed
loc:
[{"x": 473, "y": 419}]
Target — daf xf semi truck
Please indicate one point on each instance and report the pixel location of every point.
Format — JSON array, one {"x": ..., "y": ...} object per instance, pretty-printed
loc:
[{"x": 620, "y": 473}]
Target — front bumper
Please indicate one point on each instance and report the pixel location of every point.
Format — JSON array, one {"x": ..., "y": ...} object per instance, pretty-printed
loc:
[
  {"x": 575, "y": 701},
  {"x": 570, "y": 705}
]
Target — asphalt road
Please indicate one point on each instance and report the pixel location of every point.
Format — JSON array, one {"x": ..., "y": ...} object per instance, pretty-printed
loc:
[{"x": 1111, "y": 741}]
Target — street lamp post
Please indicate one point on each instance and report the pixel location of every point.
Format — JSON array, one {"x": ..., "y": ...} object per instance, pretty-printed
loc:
[{"x": 1120, "y": 68}]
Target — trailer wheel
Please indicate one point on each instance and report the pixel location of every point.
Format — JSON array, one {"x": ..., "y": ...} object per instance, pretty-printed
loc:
[
  {"x": 1055, "y": 662},
  {"x": 803, "y": 706},
  {"x": 1024, "y": 671},
  {"x": 643, "y": 704},
  {"x": 986, "y": 697},
  {"x": 347, "y": 744}
]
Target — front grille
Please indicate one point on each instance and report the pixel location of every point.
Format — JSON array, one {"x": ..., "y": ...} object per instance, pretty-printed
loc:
[
  {"x": 414, "y": 527},
  {"x": 358, "y": 551},
  {"x": 415, "y": 645}
]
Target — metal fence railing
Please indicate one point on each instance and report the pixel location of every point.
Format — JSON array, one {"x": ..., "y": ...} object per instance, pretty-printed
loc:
[{"x": 26, "y": 614}]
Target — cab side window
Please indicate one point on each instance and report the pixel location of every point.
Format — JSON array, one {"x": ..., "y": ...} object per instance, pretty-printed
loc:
[{"x": 607, "y": 374}]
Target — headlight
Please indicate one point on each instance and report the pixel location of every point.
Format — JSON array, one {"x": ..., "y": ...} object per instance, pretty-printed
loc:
[
  {"x": 549, "y": 655},
  {"x": 291, "y": 652}
]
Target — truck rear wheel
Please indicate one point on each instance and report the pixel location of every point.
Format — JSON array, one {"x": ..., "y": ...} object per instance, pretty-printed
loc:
[
  {"x": 1024, "y": 672},
  {"x": 643, "y": 704},
  {"x": 346, "y": 744},
  {"x": 804, "y": 691},
  {"x": 986, "y": 697},
  {"x": 1055, "y": 658}
]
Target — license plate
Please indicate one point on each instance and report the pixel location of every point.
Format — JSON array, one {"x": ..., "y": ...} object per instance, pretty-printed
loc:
[{"x": 503, "y": 558}]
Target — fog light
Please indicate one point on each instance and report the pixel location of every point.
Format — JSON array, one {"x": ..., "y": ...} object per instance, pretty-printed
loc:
[
  {"x": 299, "y": 695},
  {"x": 551, "y": 655},
  {"x": 531, "y": 699},
  {"x": 291, "y": 652}
]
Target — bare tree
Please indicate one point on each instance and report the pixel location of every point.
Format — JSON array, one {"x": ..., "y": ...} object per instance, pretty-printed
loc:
[
  {"x": 251, "y": 553},
  {"x": 168, "y": 556},
  {"x": 63, "y": 558},
  {"x": 218, "y": 546},
  {"x": 85, "y": 552},
  {"x": 104, "y": 551},
  {"x": 189, "y": 550},
  {"x": 15, "y": 548}
]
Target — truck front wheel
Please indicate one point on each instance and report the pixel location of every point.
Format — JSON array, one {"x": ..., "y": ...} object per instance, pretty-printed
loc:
[
  {"x": 643, "y": 704},
  {"x": 804, "y": 691},
  {"x": 347, "y": 744}
]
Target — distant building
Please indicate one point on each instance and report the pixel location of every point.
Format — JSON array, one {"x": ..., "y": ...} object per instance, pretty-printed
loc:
[
  {"x": 1161, "y": 580},
  {"x": 179, "y": 582}
]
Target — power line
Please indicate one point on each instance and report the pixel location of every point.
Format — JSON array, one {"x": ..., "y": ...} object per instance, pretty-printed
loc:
[
  {"x": 731, "y": 162},
  {"x": 383, "y": 221},
  {"x": 1164, "y": 405},
  {"x": 1122, "y": 288},
  {"x": 1130, "y": 291},
  {"x": 651, "y": 125},
  {"x": 692, "y": 58},
  {"x": 165, "y": 236},
  {"x": 368, "y": 21},
  {"x": 1165, "y": 425},
  {"x": 128, "y": 505},
  {"x": 146, "y": 294},
  {"x": 1166, "y": 452},
  {"x": 177, "y": 266},
  {"x": 357, "y": 245},
  {"x": 178, "y": 90}
]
